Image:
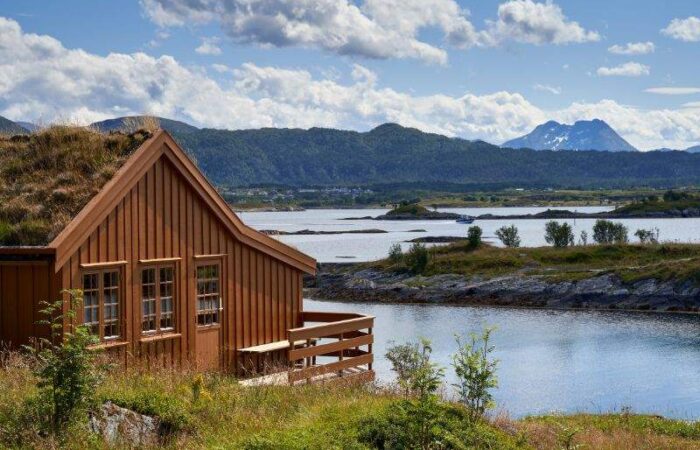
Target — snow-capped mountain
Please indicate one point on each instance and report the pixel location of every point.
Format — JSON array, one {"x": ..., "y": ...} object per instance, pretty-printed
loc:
[{"x": 583, "y": 135}]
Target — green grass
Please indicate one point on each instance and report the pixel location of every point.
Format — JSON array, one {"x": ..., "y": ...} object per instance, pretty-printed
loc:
[
  {"x": 630, "y": 262},
  {"x": 228, "y": 416}
]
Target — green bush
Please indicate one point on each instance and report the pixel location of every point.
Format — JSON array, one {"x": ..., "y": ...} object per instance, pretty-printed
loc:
[
  {"x": 417, "y": 258},
  {"x": 65, "y": 366},
  {"x": 606, "y": 232},
  {"x": 395, "y": 254},
  {"x": 476, "y": 373},
  {"x": 650, "y": 236},
  {"x": 559, "y": 235},
  {"x": 509, "y": 236},
  {"x": 474, "y": 236}
]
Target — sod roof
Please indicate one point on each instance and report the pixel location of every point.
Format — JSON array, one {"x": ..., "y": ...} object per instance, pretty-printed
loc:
[{"x": 47, "y": 177}]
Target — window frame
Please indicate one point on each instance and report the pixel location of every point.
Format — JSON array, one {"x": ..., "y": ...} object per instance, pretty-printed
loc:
[
  {"x": 219, "y": 312},
  {"x": 100, "y": 290},
  {"x": 157, "y": 282}
]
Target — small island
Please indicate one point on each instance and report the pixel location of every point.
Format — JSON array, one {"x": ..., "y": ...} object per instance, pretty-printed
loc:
[{"x": 415, "y": 211}]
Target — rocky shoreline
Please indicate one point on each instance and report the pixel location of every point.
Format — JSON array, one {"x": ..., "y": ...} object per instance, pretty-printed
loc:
[{"x": 348, "y": 282}]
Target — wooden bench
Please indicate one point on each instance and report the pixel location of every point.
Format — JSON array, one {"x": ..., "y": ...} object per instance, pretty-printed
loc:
[{"x": 253, "y": 353}]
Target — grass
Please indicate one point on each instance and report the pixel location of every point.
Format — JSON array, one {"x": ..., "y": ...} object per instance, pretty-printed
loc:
[
  {"x": 47, "y": 177},
  {"x": 632, "y": 262},
  {"x": 226, "y": 415}
]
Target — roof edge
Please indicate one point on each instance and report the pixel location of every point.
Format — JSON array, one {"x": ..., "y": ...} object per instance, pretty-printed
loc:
[{"x": 70, "y": 237}]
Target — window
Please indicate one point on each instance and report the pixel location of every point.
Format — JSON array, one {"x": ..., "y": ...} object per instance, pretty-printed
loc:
[
  {"x": 157, "y": 299},
  {"x": 208, "y": 295},
  {"x": 101, "y": 303}
]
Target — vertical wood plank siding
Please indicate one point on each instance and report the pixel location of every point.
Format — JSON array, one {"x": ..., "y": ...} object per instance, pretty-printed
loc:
[{"x": 163, "y": 217}]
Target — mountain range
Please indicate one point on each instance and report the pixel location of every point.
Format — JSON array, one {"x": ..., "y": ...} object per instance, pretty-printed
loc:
[
  {"x": 394, "y": 155},
  {"x": 582, "y": 135}
]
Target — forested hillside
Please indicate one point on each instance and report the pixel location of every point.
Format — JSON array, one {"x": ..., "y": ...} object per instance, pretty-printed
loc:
[{"x": 394, "y": 154}]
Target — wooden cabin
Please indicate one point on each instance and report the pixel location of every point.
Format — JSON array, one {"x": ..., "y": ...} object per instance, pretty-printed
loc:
[{"x": 171, "y": 275}]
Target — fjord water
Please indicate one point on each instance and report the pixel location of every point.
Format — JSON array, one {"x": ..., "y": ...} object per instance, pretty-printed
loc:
[
  {"x": 549, "y": 360},
  {"x": 558, "y": 361},
  {"x": 368, "y": 247}
]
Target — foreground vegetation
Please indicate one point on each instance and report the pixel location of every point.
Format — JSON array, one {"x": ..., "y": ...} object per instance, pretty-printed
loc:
[
  {"x": 307, "y": 417},
  {"x": 51, "y": 391}
]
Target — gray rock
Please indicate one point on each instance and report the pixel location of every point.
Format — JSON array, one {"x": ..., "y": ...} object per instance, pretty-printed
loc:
[{"x": 120, "y": 426}]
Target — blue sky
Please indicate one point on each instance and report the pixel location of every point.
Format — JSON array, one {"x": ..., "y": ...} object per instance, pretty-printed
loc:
[{"x": 489, "y": 69}]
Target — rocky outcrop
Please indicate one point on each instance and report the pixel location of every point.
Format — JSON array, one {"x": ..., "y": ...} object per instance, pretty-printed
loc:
[
  {"x": 123, "y": 427},
  {"x": 603, "y": 291}
]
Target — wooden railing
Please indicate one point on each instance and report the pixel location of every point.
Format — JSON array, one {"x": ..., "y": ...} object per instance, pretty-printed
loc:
[{"x": 332, "y": 349}]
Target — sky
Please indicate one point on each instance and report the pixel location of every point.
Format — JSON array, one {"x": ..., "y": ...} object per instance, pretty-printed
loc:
[{"x": 476, "y": 69}]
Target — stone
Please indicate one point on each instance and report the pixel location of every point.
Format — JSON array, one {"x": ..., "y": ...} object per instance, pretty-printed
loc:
[{"x": 121, "y": 426}]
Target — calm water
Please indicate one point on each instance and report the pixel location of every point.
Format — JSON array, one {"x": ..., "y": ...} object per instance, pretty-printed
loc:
[
  {"x": 550, "y": 360},
  {"x": 559, "y": 361},
  {"x": 367, "y": 247}
]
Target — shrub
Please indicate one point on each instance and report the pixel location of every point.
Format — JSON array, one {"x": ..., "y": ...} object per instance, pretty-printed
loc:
[
  {"x": 650, "y": 236},
  {"x": 417, "y": 258},
  {"x": 395, "y": 254},
  {"x": 65, "y": 367},
  {"x": 606, "y": 232},
  {"x": 508, "y": 236},
  {"x": 474, "y": 236},
  {"x": 583, "y": 240},
  {"x": 559, "y": 235},
  {"x": 415, "y": 373},
  {"x": 476, "y": 373}
]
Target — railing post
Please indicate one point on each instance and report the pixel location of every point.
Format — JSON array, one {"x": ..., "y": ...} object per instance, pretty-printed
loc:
[
  {"x": 340, "y": 355},
  {"x": 369, "y": 348}
]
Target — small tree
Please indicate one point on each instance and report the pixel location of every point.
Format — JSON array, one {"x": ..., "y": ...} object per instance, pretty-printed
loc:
[
  {"x": 650, "y": 236},
  {"x": 583, "y": 239},
  {"x": 395, "y": 254},
  {"x": 606, "y": 232},
  {"x": 417, "y": 258},
  {"x": 66, "y": 367},
  {"x": 415, "y": 372},
  {"x": 476, "y": 372},
  {"x": 474, "y": 236},
  {"x": 559, "y": 235},
  {"x": 508, "y": 236}
]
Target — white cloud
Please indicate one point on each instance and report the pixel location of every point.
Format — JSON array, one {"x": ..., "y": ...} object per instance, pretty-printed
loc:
[
  {"x": 692, "y": 105},
  {"x": 687, "y": 29},
  {"x": 373, "y": 28},
  {"x": 629, "y": 69},
  {"x": 633, "y": 48},
  {"x": 669, "y": 90},
  {"x": 536, "y": 23},
  {"x": 209, "y": 47},
  {"x": 546, "y": 88},
  {"x": 44, "y": 80}
]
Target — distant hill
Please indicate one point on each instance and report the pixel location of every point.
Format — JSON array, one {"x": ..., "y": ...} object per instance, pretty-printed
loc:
[
  {"x": 28, "y": 125},
  {"x": 397, "y": 158},
  {"x": 582, "y": 135},
  {"x": 9, "y": 127},
  {"x": 694, "y": 149},
  {"x": 121, "y": 123}
]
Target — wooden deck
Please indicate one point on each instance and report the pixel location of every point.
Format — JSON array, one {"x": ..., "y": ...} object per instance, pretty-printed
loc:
[{"x": 334, "y": 347}]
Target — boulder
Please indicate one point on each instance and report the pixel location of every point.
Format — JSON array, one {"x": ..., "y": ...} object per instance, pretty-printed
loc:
[{"x": 123, "y": 427}]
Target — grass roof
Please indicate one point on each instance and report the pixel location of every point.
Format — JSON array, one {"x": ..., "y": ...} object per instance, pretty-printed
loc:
[{"x": 47, "y": 177}]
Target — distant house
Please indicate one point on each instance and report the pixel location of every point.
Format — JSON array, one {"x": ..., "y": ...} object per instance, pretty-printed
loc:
[{"x": 170, "y": 274}]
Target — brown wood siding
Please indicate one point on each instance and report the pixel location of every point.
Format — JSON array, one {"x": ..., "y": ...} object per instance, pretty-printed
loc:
[
  {"x": 23, "y": 287},
  {"x": 164, "y": 217}
]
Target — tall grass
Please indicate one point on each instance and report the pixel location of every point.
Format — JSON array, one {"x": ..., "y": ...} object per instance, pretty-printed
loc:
[{"x": 47, "y": 177}]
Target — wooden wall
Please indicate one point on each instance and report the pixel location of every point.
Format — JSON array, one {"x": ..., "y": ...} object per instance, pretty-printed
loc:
[
  {"x": 23, "y": 286},
  {"x": 163, "y": 217}
]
